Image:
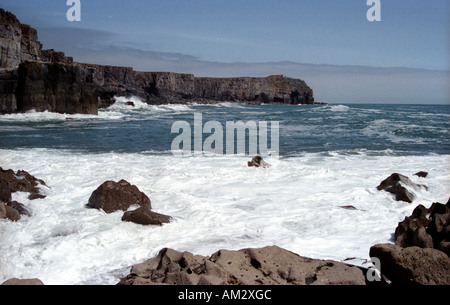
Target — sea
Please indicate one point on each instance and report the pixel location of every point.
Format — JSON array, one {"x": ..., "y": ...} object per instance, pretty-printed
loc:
[{"x": 328, "y": 157}]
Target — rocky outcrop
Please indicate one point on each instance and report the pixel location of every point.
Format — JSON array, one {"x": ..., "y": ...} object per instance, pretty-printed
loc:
[
  {"x": 22, "y": 181},
  {"x": 45, "y": 80},
  {"x": 264, "y": 266},
  {"x": 258, "y": 162},
  {"x": 412, "y": 265},
  {"x": 19, "y": 43},
  {"x": 56, "y": 87},
  {"x": 426, "y": 228}
]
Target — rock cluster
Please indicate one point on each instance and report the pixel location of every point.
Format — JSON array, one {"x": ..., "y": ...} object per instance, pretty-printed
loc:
[
  {"x": 20, "y": 181},
  {"x": 265, "y": 266},
  {"x": 114, "y": 196},
  {"x": 426, "y": 228}
]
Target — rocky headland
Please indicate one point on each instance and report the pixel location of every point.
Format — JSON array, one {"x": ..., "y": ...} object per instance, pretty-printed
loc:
[{"x": 46, "y": 80}]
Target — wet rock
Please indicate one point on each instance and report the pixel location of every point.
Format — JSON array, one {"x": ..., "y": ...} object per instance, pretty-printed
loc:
[
  {"x": 22, "y": 181},
  {"x": 412, "y": 265},
  {"x": 258, "y": 162},
  {"x": 144, "y": 216},
  {"x": 7, "y": 212},
  {"x": 19, "y": 207},
  {"x": 264, "y": 266},
  {"x": 113, "y": 196},
  {"x": 398, "y": 185},
  {"x": 421, "y": 174}
]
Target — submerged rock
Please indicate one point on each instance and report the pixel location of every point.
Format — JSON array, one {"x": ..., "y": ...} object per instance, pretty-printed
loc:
[
  {"x": 144, "y": 216},
  {"x": 397, "y": 184},
  {"x": 113, "y": 196},
  {"x": 258, "y": 162},
  {"x": 264, "y": 266}
]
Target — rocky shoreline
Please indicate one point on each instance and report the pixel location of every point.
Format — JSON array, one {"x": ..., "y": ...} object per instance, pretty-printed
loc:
[
  {"x": 46, "y": 80},
  {"x": 420, "y": 255}
]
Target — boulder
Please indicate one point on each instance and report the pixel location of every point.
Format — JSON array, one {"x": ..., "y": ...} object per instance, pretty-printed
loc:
[
  {"x": 397, "y": 184},
  {"x": 412, "y": 265},
  {"x": 258, "y": 162},
  {"x": 113, "y": 196},
  {"x": 264, "y": 266},
  {"x": 145, "y": 216}
]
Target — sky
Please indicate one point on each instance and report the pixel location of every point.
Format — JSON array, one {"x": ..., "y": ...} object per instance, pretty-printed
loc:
[{"x": 404, "y": 58}]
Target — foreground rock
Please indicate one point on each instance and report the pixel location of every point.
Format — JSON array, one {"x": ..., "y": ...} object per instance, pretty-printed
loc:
[
  {"x": 398, "y": 185},
  {"x": 426, "y": 228},
  {"x": 265, "y": 266},
  {"x": 23, "y": 282},
  {"x": 113, "y": 196},
  {"x": 412, "y": 265},
  {"x": 258, "y": 162}
]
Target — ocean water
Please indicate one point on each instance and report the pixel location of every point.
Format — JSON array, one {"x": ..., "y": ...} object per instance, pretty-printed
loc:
[{"x": 329, "y": 156}]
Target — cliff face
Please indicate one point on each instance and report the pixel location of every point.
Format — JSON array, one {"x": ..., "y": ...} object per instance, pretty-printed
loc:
[{"x": 45, "y": 80}]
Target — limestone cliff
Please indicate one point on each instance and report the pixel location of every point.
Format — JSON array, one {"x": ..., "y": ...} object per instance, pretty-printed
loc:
[{"x": 45, "y": 80}]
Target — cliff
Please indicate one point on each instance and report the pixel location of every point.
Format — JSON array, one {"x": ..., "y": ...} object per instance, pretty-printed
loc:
[{"x": 45, "y": 80}]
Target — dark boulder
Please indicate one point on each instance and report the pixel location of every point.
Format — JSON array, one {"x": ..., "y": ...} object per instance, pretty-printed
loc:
[
  {"x": 397, "y": 184},
  {"x": 113, "y": 196},
  {"x": 258, "y": 162},
  {"x": 144, "y": 216},
  {"x": 412, "y": 265}
]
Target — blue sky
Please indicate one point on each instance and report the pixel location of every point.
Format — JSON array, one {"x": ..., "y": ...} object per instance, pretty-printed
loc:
[{"x": 208, "y": 37}]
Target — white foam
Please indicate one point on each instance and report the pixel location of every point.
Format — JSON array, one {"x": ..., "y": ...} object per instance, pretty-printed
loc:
[{"x": 217, "y": 202}]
